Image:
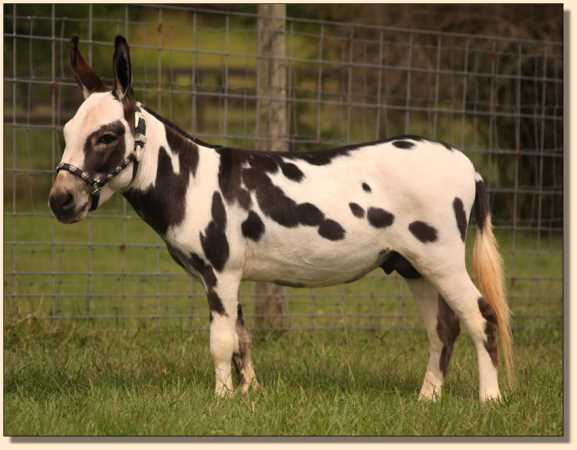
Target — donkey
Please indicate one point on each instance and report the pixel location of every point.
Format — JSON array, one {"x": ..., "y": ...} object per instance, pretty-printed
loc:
[{"x": 296, "y": 219}]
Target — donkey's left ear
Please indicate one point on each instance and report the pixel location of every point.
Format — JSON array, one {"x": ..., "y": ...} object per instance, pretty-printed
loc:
[
  {"x": 122, "y": 69},
  {"x": 83, "y": 73}
]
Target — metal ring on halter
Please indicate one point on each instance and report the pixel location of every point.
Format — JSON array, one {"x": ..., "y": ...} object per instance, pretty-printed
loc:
[{"x": 97, "y": 183}]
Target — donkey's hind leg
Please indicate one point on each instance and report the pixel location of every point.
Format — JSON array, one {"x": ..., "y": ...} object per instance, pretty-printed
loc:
[
  {"x": 242, "y": 356},
  {"x": 442, "y": 326},
  {"x": 463, "y": 297}
]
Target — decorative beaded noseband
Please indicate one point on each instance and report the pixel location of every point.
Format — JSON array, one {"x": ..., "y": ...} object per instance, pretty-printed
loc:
[{"x": 97, "y": 183}]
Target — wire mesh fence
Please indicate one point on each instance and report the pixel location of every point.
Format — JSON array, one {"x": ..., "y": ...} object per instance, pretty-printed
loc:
[{"x": 499, "y": 100}]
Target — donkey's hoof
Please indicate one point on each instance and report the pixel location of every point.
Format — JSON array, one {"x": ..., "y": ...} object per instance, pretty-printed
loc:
[
  {"x": 430, "y": 390},
  {"x": 253, "y": 386},
  {"x": 223, "y": 392},
  {"x": 432, "y": 396},
  {"x": 490, "y": 397}
]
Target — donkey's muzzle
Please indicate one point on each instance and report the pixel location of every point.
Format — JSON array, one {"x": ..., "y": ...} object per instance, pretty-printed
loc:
[{"x": 63, "y": 205}]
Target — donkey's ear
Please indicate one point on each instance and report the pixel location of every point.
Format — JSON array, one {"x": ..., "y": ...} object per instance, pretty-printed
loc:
[
  {"x": 83, "y": 73},
  {"x": 122, "y": 69}
]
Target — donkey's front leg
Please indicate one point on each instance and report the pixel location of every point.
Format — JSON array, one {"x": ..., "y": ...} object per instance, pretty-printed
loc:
[{"x": 223, "y": 301}]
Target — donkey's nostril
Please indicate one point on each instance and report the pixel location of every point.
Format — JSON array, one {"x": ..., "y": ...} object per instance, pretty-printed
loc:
[
  {"x": 63, "y": 202},
  {"x": 68, "y": 202}
]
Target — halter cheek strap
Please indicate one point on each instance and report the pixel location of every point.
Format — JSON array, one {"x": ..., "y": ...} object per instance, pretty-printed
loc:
[{"x": 97, "y": 183}]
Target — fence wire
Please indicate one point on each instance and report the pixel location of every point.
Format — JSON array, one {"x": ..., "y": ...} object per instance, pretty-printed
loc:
[{"x": 499, "y": 100}]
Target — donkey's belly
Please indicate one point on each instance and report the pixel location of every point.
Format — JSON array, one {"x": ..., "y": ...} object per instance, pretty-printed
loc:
[
  {"x": 294, "y": 275},
  {"x": 307, "y": 266}
]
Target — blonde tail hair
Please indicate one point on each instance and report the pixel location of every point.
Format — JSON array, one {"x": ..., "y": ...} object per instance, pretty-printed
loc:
[{"x": 488, "y": 271}]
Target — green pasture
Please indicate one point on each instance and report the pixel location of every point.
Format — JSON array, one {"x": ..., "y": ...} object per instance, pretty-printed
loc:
[{"x": 84, "y": 379}]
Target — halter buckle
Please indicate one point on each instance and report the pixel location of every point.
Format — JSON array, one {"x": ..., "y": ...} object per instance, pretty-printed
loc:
[
  {"x": 96, "y": 186},
  {"x": 139, "y": 134}
]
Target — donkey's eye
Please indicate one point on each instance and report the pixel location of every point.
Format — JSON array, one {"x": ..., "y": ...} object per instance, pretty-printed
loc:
[{"x": 106, "y": 139}]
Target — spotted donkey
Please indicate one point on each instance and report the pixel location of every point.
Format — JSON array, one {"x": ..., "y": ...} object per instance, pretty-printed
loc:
[{"x": 295, "y": 219}]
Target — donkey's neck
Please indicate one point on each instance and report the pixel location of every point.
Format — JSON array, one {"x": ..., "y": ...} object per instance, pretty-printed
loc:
[
  {"x": 169, "y": 165},
  {"x": 163, "y": 138}
]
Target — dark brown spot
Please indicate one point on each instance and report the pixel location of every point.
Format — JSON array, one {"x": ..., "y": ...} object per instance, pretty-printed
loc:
[
  {"x": 253, "y": 179},
  {"x": 490, "y": 330},
  {"x": 194, "y": 264},
  {"x": 331, "y": 230},
  {"x": 180, "y": 144},
  {"x": 101, "y": 157},
  {"x": 214, "y": 242},
  {"x": 241, "y": 359},
  {"x": 244, "y": 199},
  {"x": 163, "y": 204},
  {"x": 412, "y": 137},
  {"x": 481, "y": 205},
  {"x": 239, "y": 315},
  {"x": 308, "y": 214},
  {"x": 215, "y": 303},
  {"x": 357, "y": 210},
  {"x": 423, "y": 231},
  {"x": 460, "y": 216},
  {"x": 275, "y": 204},
  {"x": 252, "y": 227},
  {"x": 366, "y": 187},
  {"x": 323, "y": 157},
  {"x": 291, "y": 171},
  {"x": 265, "y": 162},
  {"x": 229, "y": 176},
  {"x": 403, "y": 144},
  {"x": 379, "y": 218},
  {"x": 204, "y": 270},
  {"x": 448, "y": 330},
  {"x": 272, "y": 200},
  {"x": 395, "y": 262}
]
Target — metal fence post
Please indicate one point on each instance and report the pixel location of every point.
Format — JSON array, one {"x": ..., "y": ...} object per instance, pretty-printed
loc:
[{"x": 272, "y": 130}]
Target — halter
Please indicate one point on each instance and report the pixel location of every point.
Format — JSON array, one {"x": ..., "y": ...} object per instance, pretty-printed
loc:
[{"x": 97, "y": 183}]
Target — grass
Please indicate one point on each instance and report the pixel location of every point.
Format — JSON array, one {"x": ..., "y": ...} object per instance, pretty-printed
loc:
[{"x": 82, "y": 379}]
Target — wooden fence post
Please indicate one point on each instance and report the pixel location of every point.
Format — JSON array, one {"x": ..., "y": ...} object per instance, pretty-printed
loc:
[{"x": 272, "y": 130}]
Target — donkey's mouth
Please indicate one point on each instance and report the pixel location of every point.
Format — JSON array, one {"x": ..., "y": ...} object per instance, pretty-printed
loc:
[{"x": 75, "y": 216}]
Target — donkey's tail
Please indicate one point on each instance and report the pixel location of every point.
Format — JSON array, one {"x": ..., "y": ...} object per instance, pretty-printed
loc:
[{"x": 488, "y": 271}]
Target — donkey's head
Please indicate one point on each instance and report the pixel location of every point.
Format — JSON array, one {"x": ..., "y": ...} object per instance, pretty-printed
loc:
[{"x": 102, "y": 140}]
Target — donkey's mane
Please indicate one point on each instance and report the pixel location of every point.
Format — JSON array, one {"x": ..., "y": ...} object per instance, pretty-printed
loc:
[{"x": 177, "y": 129}]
